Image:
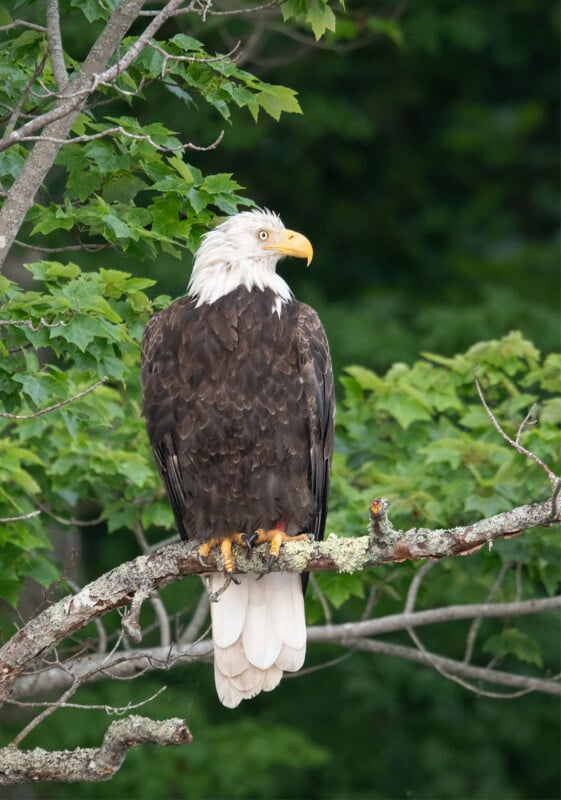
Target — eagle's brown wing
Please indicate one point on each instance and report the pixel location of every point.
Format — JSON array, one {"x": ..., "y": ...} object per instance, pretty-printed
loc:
[
  {"x": 317, "y": 372},
  {"x": 160, "y": 389}
]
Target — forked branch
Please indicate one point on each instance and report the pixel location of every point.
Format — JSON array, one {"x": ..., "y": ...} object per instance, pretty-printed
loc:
[{"x": 93, "y": 764}]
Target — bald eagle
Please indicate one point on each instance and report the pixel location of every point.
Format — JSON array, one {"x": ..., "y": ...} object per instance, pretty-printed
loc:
[{"x": 239, "y": 406}]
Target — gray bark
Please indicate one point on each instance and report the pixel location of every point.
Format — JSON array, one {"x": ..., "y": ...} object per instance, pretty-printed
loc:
[{"x": 90, "y": 763}]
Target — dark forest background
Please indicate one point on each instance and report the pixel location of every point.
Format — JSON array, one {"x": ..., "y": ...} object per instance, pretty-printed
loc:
[{"x": 424, "y": 170}]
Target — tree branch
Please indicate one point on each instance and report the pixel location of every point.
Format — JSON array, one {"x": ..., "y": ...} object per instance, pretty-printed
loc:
[
  {"x": 348, "y": 631},
  {"x": 93, "y": 763},
  {"x": 58, "y": 122},
  {"x": 130, "y": 583},
  {"x": 120, "y": 665},
  {"x": 56, "y": 50},
  {"x": 54, "y": 406},
  {"x": 449, "y": 666}
]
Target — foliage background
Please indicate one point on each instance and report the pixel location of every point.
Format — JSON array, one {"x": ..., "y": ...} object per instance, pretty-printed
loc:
[{"x": 424, "y": 171}]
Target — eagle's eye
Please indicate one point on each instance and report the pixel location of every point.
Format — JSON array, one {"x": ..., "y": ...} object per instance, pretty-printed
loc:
[{"x": 263, "y": 235}]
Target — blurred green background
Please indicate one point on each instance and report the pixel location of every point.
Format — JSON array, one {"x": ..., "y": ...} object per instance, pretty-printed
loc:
[
  {"x": 426, "y": 175},
  {"x": 425, "y": 171}
]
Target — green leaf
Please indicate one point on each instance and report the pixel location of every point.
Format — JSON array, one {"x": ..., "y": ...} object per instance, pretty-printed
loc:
[
  {"x": 366, "y": 378},
  {"x": 182, "y": 169},
  {"x": 513, "y": 642},
  {"x": 277, "y": 99},
  {"x": 405, "y": 409},
  {"x": 339, "y": 588},
  {"x": 317, "y": 13},
  {"x": 321, "y": 17}
]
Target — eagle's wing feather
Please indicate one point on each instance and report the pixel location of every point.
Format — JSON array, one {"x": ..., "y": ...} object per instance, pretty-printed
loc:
[
  {"x": 159, "y": 382},
  {"x": 315, "y": 366}
]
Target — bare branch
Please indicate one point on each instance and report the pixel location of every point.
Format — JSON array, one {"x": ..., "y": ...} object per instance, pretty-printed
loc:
[
  {"x": 117, "y": 665},
  {"x": 16, "y": 112},
  {"x": 91, "y": 764},
  {"x": 391, "y": 623},
  {"x": 198, "y": 618},
  {"x": 191, "y": 59},
  {"x": 163, "y": 620},
  {"x": 449, "y": 666},
  {"x": 56, "y": 50},
  {"x": 415, "y": 585},
  {"x": 250, "y": 10},
  {"x": 130, "y": 664},
  {"x": 88, "y": 248},
  {"x": 322, "y": 599},
  {"x": 128, "y": 135},
  {"x": 22, "y": 22},
  {"x": 21, "y": 517},
  {"x": 60, "y": 404},
  {"x": 476, "y": 624},
  {"x": 27, "y": 323}
]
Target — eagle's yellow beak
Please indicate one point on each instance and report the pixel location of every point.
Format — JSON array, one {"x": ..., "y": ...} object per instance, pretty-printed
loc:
[{"x": 291, "y": 243}]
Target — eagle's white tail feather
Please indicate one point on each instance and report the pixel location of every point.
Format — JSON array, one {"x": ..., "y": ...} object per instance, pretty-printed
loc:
[
  {"x": 291, "y": 659},
  {"x": 230, "y": 660},
  {"x": 259, "y": 631},
  {"x": 261, "y": 641},
  {"x": 227, "y": 625}
]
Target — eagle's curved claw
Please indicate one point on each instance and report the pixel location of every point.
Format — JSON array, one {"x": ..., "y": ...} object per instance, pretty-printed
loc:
[
  {"x": 201, "y": 560},
  {"x": 249, "y": 540}
]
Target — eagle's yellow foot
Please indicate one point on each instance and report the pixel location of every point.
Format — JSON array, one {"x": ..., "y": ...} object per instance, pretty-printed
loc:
[
  {"x": 225, "y": 543},
  {"x": 276, "y": 538}
]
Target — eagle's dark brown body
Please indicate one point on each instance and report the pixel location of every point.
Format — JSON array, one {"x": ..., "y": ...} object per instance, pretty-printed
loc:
[
  {"x": 238, "y": 401},
  {"x": 239, "y": 405}
]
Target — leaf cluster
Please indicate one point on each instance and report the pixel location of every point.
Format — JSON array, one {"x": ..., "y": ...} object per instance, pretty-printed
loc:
[
  {"x": 87, "y": 458},
  {"x": 127, "y": 184},
  {"x": 420, "y": 436}
]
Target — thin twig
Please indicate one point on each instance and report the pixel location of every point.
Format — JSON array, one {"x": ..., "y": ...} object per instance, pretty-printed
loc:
[
  {"x": 60, "y": 404},
  {"x": 476, "y": 624},
  {"x": 455, "y": 674},
  {"x": 16, "y": 113},
  {"x": 415, "y": 585},
  {"x": 322, "y": 599},
  {"x": 191, "y": 59},
  {"x": 27, "y": 323},
  {"x": 554, "y": 479},
  {"x": 198, "y": 618},
  {"x": 163, "y": 620},
  {"x": 21, "y": 517},
  {"x": 237, "y": 11},
  {"x": 135, "y": 136},
  {"x": 88, "y": 248},
  {"x": 24, "y": 23},
  {"x": 456, "y": 670},
  {"x": 50, "y": 708},
  {"x": 370, "y": 605}
]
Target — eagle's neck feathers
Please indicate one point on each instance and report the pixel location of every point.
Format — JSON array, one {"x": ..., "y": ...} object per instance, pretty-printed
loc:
[
  {"x": 233, "y": 256},
  {"x": 224, "y": 276}
]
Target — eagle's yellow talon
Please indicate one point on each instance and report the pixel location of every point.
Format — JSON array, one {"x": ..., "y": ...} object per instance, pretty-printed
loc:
[
  {"x": 276, "y": 538},
  {"x": 225, "y": 543}
]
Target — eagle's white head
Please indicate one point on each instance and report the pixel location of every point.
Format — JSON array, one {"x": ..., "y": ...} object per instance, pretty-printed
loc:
[{"x": 244, "y": 251}]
